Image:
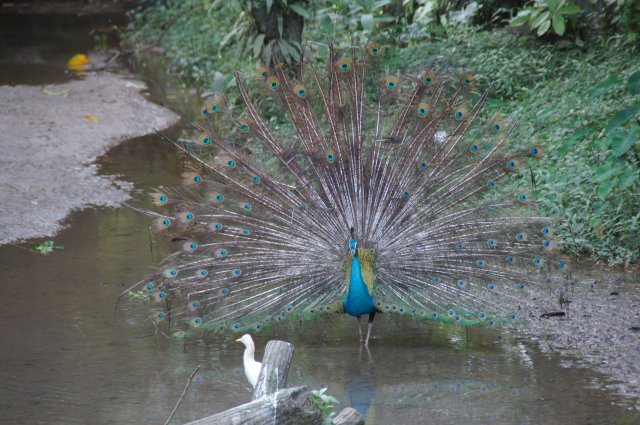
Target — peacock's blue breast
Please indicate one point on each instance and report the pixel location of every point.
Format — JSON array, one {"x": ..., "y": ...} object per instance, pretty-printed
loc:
[{"x": 358, "y": 301}]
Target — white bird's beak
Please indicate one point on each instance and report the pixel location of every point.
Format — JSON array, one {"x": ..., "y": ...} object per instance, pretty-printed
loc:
[{"x": 239, "y": 340}]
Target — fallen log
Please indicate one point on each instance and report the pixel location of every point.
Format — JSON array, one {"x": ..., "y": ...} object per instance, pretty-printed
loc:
[
  {"x": 291, "y": 406},
  {"x": 348, "y": 416}
]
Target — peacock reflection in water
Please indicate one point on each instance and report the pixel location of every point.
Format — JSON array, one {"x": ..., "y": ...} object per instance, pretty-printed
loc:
[{"x": 367, "y": 192}]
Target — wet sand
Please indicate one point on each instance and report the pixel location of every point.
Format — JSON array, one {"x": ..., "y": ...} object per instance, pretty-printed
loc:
[
  {"x": 601, "y": 330},
  {"x": 50, "y": 141}
]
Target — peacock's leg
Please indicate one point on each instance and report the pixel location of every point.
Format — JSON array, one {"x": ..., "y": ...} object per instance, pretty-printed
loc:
[
  {"x": 359, "y": 328},
  {"x": 369, "y": 326}
]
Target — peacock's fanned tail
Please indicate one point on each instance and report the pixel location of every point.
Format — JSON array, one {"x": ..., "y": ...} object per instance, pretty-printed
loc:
[{"x": 411, "y": 163}]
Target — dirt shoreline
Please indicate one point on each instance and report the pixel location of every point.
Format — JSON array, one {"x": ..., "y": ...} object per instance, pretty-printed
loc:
[
  {"x": 49, "y": 138},
  {"x": 601, "y": 330}
]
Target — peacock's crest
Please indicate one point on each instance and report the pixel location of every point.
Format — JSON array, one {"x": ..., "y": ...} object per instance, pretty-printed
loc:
[{"x": 396, "y": 174}]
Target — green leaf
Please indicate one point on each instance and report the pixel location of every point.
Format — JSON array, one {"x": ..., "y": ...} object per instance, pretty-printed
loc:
[
  {"x": 622, "y": 141},
  {"x": 558, "y": 24},
  {"x": 552, "y": 4},
  {"x": 611, "y": 82},
  {"x": 543, "y": 28},
  {"x": 540, "y": 19},
  {"x": 295, "y": 53},
  {"x": 627, "y": 178},
  {"x": 367, "y": 22},
  {"x": 300, "y": 10},
  {"x": 611, "y": 168},
  {"x": 46, "y": 247},
  {"x": 269, "y": 5},
  {"x": 326, "y": 24},
  {"x": 257, "y": 45},
  {"x": 568, "y": 143},
  {"x": 604, "y": 188},
  {"x": 570, "y": 10},
  {"x": 521, "y": 19},
  {"x": 633, "y": 85},
  {"x": 622, "y": 117}
]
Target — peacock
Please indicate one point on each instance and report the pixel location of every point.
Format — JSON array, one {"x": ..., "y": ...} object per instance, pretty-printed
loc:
[{"x": 365, "y": 192}]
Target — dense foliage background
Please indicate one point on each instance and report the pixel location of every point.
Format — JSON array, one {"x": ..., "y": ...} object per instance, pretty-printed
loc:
[{"x": 569, "y": 70}]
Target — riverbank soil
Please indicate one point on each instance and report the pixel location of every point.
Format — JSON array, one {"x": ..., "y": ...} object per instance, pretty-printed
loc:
[{"x": 51, "y": 134}]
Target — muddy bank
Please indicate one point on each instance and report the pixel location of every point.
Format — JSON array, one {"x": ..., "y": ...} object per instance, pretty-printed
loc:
[
  {"x": 50, "y": 136},
  {"x": 601, "y": 330}
]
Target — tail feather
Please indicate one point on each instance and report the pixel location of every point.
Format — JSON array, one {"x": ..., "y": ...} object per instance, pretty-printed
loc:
[{"x": 409, "y": 163}]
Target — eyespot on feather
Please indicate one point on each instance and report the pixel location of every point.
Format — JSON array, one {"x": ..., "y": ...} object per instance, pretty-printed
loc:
[
  {"x": 204, "y": 140},
  {"x": 467, "y": 79},
  {"x": 162, "y": 223},
  {"x": 300, "y": 91},
  {"x": 536, "y": 152},
  {"x": 273, "y": 83},
  {"x": 214, "y": 227},
  {"x": 391, "y": 82},
  {"x": 428, "y": 78},
  {"x": 422, "y": 110},
  {"x": 330, "y": 156},
  {"x": 191, "y": 178},
  {"x": 189, "y": 246},
  {"x": 344, "y": 64},
  {"x": 159, "y": 199},
  {"x": 214, "y": 197},
  {"x": 460, "y": 112},
  {"x": 262, "y": 72},
  {"x": 185, "y": 217},
  {"x": 374, "y": 49},
  {"x": 194, "y": 305},
  {"x": 170, "y": 273},
  {"x": 204, "y": 111},
  {"x": 243, "y": 126},
  {"x": 496, "y": 125},
  {"x": 522, "y": 198},
  {"x": 215, "y": 106},
  {"x": 512, "y": 165}
]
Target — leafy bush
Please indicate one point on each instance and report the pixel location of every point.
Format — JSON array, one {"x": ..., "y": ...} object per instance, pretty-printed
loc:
[
  {"x": 543, "y": 15},
  {"x": 581, "y": 106}
]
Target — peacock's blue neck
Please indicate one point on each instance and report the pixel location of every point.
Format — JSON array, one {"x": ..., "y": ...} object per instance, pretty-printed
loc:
[{"x": 359, "y": 301}]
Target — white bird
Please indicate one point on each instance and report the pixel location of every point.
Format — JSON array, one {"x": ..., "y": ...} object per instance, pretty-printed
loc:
[{"x": 251, "y": 366}]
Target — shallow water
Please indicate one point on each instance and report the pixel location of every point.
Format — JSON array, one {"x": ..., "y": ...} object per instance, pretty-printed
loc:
[
  {"x": 67, "y": 358},
  {"x": 35, "y": 48}
]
